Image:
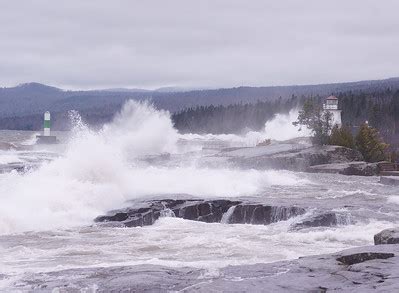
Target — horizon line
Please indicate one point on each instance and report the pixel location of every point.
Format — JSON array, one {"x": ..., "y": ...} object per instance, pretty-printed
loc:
[{"x": 189, "y": 88}]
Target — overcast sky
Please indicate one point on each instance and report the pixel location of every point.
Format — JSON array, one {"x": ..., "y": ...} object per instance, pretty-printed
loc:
[{"x": 210, "y": 43}]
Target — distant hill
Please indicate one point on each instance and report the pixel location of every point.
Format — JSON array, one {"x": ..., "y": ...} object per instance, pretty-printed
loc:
[{"x": 32, "y": 99}]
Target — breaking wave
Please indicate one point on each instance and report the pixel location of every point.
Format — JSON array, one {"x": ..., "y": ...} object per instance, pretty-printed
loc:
[
  {"x": 98, "y": 172},
  {"x": 279, "y": 128}
]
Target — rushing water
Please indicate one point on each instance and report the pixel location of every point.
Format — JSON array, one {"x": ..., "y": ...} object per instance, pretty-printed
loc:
[{"x": 47, "y": 208}]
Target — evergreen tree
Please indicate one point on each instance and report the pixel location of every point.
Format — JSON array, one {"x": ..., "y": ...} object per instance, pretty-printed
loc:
[
  {"x": 342, "y": 137},
  {"x": 369, "y": 143},
  {"x": 317, "y": 120}
]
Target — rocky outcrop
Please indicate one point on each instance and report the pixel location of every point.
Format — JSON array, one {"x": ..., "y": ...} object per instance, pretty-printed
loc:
[
  {"x": 294, "y": 157},
  {"x": 364, "y": 269},
  {"x": 387, "y": 236},
  {"x": 324, "y": 220},
  {"x": 262, "y": 214},
  {"x": 211, "y": 211},
  {"x": 352, "y": 168}
]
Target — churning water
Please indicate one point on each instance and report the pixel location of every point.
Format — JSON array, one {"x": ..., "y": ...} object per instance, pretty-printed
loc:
[{"x": 47, "y": 211}]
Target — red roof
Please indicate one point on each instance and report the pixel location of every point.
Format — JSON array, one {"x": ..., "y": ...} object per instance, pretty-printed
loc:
[{"x": 332, "y": 98}]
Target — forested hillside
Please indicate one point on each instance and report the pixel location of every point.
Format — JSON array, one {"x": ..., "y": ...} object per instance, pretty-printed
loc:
[
  {"x": 203, "y": 111},
  {"x": 380, "y": 108},
  {"x": 35, "y": 98},
  {"x": 235, "y": 118}
]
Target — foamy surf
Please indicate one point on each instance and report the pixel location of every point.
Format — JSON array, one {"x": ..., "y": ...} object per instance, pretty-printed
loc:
[
  {"x": 46, "y": 213},
  {"x": 98, "y": 172},
  {"x": 279, "y": 128}
]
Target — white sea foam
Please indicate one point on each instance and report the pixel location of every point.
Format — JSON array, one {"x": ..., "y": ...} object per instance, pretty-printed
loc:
[
  {"x": 7, "y": 157},
  {"x": 279, "y": 128},
  {"x": 100, "y": 170},
  {"x": 98, "y": 173},
  {"x": 393, "y": 199},
  {"x": 178, "y": 243},
  {"x": 32, "y": 140}
]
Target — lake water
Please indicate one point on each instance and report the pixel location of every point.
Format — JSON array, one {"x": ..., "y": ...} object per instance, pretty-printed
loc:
[{"x": 49, "y": 196}]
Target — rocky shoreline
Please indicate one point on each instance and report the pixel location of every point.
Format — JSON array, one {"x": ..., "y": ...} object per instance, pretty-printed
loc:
[
  {"x": 209, "y": 211},
  {"x": 293, "y": 155},
  {"x": 303, "y": 157},
  {"x": 362, "y": 269}
]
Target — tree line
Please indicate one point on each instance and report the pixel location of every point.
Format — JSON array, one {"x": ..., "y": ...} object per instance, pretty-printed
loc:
[
  {"x": 367, "y": 140},
  {"x": 236, "y": 118},
  {"x": 380, "y": 108}
]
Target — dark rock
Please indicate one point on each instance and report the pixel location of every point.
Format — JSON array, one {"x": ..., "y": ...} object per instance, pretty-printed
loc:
[
  {"x": 324, "y": 220},
  {"x": 204, "y": 208},
  {"x": 189, "y": 213},
  {"x": 352, "y": 259},
  {"x": 242, "y": 215},
  {"x": 117, "y": 217},
  {"x": 260, "y": 215},
  {"x": 387, "y": 236},
  {"x": 134, "y": 222},
  {"x": 143, "y": 210},
  {"x": 361, "y": 169},
  {"x": 211, "y": 211},
  {"x": 263, "y": 215}
]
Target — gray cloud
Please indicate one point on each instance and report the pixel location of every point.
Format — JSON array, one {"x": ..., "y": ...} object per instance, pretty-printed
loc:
[{"x": 133, "y": 43}]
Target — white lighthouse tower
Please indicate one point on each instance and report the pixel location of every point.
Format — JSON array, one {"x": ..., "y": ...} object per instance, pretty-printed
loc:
[{"x": 331, "y": 105}]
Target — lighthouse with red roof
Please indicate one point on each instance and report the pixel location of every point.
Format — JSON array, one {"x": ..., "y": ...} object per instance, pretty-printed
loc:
[{"x": 331, "y": 105}]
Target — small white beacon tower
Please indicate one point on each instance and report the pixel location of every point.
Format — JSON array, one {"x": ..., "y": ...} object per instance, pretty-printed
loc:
[
  {"x": 46, "y": 128},
  {"x": 331, "y": 105},
  {"x": 46, "y": 138}
]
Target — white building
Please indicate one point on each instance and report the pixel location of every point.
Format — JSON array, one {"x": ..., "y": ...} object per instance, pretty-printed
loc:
[{"x": 331, "y": 105}]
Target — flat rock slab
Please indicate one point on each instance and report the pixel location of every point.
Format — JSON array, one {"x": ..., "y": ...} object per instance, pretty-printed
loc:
[
  {"x": 364, "y": 269},
  {"x": 289, "y": 156},
  {"x": 251, "y": 152}
]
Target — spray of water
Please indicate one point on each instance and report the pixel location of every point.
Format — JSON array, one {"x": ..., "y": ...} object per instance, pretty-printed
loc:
[
  {"x": 97, "y": 173},
  {"x": 279, "y": 128}
]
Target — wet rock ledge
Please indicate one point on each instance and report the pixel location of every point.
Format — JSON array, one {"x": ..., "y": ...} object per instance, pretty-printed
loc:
[
  {"x": 363, "y": 269},
  {"x": 209, "y": 211}
]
